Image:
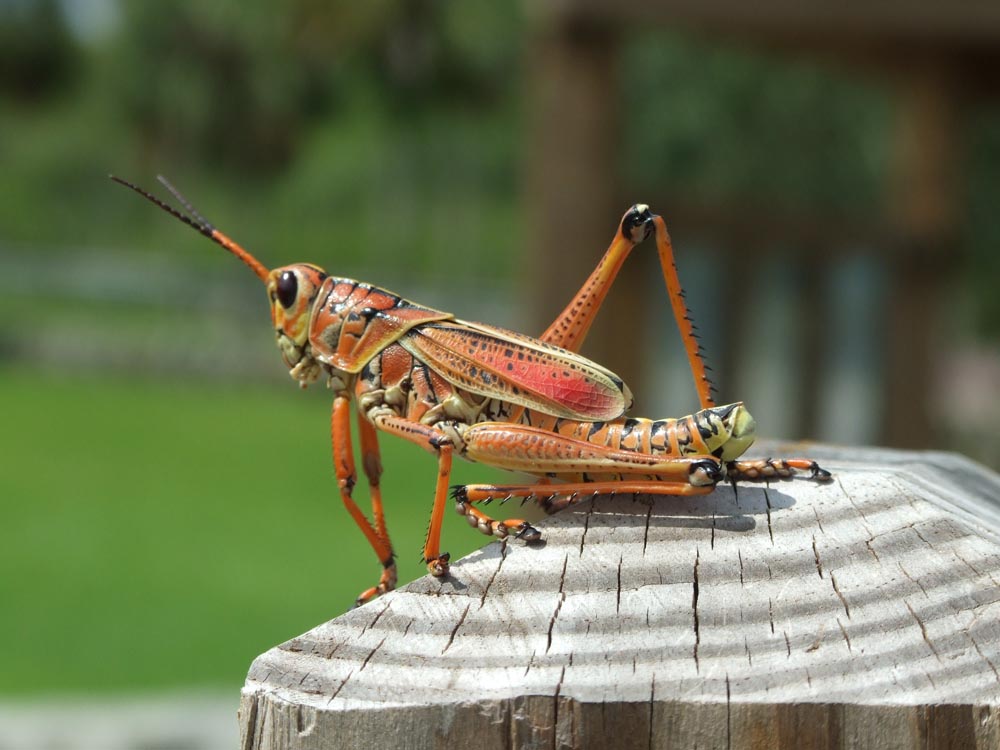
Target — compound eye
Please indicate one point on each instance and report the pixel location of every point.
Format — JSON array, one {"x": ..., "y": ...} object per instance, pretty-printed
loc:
[{"x": 287, "y": 288}]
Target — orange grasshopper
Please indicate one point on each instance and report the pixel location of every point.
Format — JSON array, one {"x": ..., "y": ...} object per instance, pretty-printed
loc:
[{"x": 494, "y": 396}]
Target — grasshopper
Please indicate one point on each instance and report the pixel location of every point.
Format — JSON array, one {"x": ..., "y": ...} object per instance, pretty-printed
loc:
[{"x": 493, "y": 396}]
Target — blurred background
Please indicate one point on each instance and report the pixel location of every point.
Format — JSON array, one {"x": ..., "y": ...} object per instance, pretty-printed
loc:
[{"x": 830, "y": 176}]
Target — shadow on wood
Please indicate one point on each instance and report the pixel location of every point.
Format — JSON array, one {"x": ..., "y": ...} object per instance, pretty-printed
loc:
[{"x": 860, "y": 613}]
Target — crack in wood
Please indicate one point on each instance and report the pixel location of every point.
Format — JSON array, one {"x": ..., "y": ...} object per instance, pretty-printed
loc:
[
  {"x": 843, "y": 599},
  {"x": 767, "y": 501},
  {"x": 923, "y": 632},
  {"x": 815, "y": 645},
  {"x": 729, "y": 714},
  {"x": 562, "y": 598},
  {"x": 984, "y": 657},
  {"x": 251, "y": 735},
  {"x": 913, "y": 580},
  {"x": 618, "y": 595},
  {"x": 530, "y": 663},
  {"x": 454, "y": 630},
  {"x": 375, "y": 619},
  {"x": 868, "y": 544},
  {"x": 652, "y": 703},
  {"x": 586, "y": 527},
  {"x": 921, "y": 536},
  {"x": 819, "y": 523},
  {"x": 555, "y": 709},
  {"x": 969, "y": 565},
  {"x": 819, "y": 565},
  {"x": 694, "y": 607},
  {"x": 843, "y": 631},
  {"x": 370, "y": 655},
  {"x": 645, "y": 533},
  {"x": 496, "y": 571},
  {"x": 850, "y": 499},
  {"x": 340, "y": 687}
]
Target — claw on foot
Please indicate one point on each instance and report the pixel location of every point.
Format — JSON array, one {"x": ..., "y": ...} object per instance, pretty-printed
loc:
[
  {"x": 386, "y": 583},
  {"x": 818, "y": 473},
  {"x": 528, "y": 533},
  {"x": 439, "y": 565}
]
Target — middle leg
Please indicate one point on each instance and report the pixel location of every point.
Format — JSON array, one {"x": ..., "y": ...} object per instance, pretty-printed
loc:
[
  {"x": 439, "y": 443},
  {"x": 552, "y": 498}
]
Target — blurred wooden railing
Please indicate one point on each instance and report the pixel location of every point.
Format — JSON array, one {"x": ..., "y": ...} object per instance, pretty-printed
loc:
[{"x": 932, "y": 58}]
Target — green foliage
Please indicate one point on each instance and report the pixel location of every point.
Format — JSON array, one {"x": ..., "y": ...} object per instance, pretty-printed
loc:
[
  {"x": 240, "y": 84},
  {"x": 37, "y": 54},
  {"x": 725, "y": 124},
  {"x": 300, "y": 132},
  {"x": 982, "y": 232}
]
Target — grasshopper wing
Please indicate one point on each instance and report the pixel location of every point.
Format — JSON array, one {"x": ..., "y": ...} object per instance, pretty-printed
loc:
[{"x": 502, "y": 364}]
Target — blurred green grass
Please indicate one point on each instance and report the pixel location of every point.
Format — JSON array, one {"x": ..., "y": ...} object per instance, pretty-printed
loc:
[{"x": 163, "y": 534}]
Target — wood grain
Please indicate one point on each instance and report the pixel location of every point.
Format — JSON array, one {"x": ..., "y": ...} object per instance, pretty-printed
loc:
[{"x": 861, "y": 613}]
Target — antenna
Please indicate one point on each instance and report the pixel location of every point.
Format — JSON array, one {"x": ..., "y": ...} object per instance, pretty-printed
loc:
[{"x": 198, "y": 222}]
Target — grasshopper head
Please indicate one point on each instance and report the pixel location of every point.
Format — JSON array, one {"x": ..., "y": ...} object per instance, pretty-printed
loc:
[{"x": 292, "y": 291}]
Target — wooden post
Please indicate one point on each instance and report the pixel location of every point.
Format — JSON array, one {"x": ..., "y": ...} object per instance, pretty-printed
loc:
[{"x": 860, "y": 613}]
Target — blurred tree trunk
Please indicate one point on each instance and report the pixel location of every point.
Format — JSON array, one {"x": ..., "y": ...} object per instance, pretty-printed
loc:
[
  {"x": 924, "y": 206},
  {"x": 573, "y": 131}
]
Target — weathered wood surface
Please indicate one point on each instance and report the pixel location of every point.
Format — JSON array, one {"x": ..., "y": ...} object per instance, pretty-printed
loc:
[{"x": 861, "y": 613}]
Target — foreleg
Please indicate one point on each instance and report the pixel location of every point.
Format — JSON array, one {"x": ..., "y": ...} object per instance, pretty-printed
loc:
[
  {"x": 371, "y": 462},
  {"x": 343, "y": 463}
]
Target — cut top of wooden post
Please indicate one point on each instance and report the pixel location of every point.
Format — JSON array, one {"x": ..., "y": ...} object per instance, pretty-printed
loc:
[{"x": 880, "y": 588}]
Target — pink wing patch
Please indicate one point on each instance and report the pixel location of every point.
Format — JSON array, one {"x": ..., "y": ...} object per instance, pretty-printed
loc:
[{"x": 503, "y": 364}]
